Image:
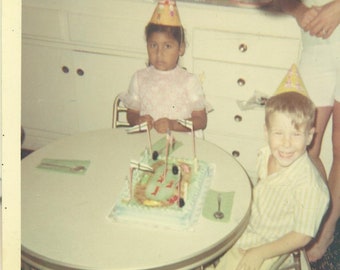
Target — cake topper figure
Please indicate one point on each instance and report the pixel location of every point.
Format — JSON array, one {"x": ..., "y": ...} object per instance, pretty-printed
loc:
[
  {"x": 169, "y": 142},
  {"x": 188, "y": 124},
  {"x": 139, "y": 166},
  {"x": 141, "y": 128},
  {"x": 180, "y": 201}
]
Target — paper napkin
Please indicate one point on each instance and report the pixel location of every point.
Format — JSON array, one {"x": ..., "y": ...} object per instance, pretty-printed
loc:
[
  {"x": 211, "y": 205},
  {"x": 65, "y": 165}
]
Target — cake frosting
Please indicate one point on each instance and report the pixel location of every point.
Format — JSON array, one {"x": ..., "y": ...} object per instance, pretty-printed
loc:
[{"x": 171, "y": 196}]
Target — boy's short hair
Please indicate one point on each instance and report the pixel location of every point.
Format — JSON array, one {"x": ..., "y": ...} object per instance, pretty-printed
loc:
[{"x": 298, "y": 107}]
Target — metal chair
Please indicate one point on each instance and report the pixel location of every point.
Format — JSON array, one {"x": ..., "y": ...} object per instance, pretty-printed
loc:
[
  {"x": 119, "y": 114},
  {"x": 295, "y": 258}
]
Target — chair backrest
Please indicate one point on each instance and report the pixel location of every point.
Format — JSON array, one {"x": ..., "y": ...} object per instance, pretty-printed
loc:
[{"x": 119, "y": 114}]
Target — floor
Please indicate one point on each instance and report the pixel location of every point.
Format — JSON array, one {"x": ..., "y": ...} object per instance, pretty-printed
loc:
[{"x": 330, "y": 261}]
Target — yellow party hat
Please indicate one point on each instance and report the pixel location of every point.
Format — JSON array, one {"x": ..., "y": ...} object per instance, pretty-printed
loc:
[
  {"x": 166, "y": 13},
  {"x": 292, "y": 82}
]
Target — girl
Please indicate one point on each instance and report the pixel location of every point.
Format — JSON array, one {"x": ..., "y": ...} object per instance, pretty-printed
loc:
[{"x": 164, "y": 92}]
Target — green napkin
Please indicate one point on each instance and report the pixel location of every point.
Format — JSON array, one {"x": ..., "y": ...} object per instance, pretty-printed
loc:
[
  {"x": 65, "y": 165},
  {"x": 211, "y": 205}
]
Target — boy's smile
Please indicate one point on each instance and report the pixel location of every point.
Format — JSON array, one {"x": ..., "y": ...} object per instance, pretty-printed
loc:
[{"x": 286, "y": 142}]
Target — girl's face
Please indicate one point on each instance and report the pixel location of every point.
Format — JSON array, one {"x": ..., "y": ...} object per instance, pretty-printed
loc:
[
  {"x": 163, "y": 51},
  {"x": 286, "y": 143}
]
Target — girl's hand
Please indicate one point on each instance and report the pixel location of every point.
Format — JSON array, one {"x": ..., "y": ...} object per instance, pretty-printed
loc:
[
  {"x": 146, "y": 118},
  {"x": 251, "y": 260},
  {"x": 162, "y": 125}
]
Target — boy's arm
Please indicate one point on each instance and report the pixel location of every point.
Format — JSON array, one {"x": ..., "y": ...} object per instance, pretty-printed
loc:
[{"x": 253, "y": 258}]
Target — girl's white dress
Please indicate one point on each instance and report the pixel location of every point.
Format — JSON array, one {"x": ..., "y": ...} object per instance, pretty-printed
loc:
[{"x": 173, "y": 94}]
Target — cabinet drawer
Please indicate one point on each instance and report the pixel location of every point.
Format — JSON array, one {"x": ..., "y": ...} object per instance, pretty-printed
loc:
[
  {"x": 243, "y": 149},
  {"x": 237, "y": 81},
  {"x": 105, "y": 31},
  {"x": 41, "y": 22},
  {"x": 245, "y": 48},
  {"x": 227, "y": 118}
]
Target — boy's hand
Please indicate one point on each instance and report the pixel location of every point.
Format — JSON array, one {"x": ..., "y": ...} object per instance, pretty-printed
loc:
[{"x": 251, "y": 260}]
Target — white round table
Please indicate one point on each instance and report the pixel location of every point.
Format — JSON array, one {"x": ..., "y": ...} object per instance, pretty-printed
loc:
[{"x": 65, "y": 222}]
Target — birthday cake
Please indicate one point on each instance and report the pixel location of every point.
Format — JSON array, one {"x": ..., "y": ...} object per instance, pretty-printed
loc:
[{"x": 164, "y": 191}]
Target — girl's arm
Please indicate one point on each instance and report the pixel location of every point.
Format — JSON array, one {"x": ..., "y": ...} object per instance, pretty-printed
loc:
[
  {"x": 134, "y": 118},
  {"x": 253, "y": 258},
  {"x": 198, "y": 118}
]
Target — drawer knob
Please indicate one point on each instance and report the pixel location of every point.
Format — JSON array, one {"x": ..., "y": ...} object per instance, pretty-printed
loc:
[
  {"x": 241, "y": 82},
  {"x": 242, "y": 48},
  {"x": 65, "y": 69},
  {"x": 238, "y": 118},
  {"x": 80, "y": 72},
  {"x": 235, "y": 153}
]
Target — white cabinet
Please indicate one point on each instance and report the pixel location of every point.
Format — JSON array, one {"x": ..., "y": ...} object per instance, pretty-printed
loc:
[
  {"x": 66, "y": 91},
  {"x": 101, "y": 78},
  {"x": 236, "y": 65},
  {"x": 46, "y": 95},
  {"x": 75, "y": 60}
]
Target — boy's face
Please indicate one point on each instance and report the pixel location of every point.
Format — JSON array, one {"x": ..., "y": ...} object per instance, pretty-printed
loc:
[
  {"x": 163, "y": 51},
  {"x": 286, "y": 143}
]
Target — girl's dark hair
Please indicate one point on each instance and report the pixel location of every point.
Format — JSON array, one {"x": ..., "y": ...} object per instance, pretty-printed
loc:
[{"x": 177, "y": 32}]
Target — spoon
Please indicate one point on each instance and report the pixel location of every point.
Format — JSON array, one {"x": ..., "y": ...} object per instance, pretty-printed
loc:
[
  {"x": 73, "y": 169},
  {"x": 219, "y": 214}
]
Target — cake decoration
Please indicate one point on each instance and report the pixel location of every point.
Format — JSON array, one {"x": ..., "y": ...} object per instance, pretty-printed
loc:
[
  {"x": 141, "y": 128},
  {"x": 164, "y": 190},
  {"x": 189, "y": 124}
]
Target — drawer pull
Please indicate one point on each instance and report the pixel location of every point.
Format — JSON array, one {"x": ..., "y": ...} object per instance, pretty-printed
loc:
[
  {"x": 241, "y": 82},
  {"x": 238, "y": 118},
  {"x": 242, "y": 48},
  {"x": 235, "y": 153},
  {"x": 65, "y": 69},
  {"x": 80, "y": 72}
]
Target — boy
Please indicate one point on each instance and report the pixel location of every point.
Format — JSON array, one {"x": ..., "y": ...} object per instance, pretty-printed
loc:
[{"x": 290, "y": 197}]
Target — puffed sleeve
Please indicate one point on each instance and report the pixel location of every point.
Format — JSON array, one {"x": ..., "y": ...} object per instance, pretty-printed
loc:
[
  {"x": 131, "y": 98},
  {"x": 196, "y": 95}
]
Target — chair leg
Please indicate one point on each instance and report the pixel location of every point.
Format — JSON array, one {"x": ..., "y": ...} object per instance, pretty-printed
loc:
[
  {"x": 296, "y": 264},
  {"x": 297, "y": 260}
]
